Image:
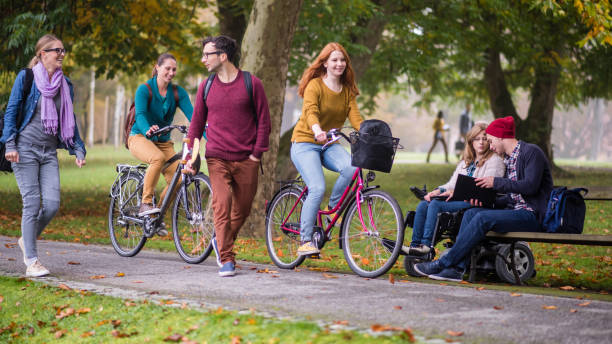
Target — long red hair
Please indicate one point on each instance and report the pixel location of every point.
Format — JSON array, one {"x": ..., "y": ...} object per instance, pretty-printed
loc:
[{"x": 316, "y": 69}]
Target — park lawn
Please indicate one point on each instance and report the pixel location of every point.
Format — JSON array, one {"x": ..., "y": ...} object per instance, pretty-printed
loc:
[
  {"x": 39, "y": 313},
  {"x": 83, "y": 218}
]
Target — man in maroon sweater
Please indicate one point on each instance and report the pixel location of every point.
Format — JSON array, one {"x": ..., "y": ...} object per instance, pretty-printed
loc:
[{"x": 235, "y": 143}]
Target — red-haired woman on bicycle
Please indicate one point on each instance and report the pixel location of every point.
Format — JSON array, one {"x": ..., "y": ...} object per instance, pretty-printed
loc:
[{"x": 329, "y": 91}]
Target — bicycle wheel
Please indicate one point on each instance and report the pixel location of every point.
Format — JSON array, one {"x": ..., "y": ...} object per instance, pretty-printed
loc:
[
  {"x": 126, "y": 237},
  {"x": 283, "y": 245},
  {"x": 192, "y": 220},
  {"x": 373, "y": 252}
]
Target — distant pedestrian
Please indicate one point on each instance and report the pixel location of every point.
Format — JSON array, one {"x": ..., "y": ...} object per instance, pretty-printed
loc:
[
  {"x": 465, "y": 122},
  {"x": 237, "y": 136},
  {"x": 48, "y": 123},
  {"x": 439, "y": 129}
]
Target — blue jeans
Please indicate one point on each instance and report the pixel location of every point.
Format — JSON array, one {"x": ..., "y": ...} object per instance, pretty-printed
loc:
[
  {"x": 425, "y": 219},
  {"x": 477, "y": 222},
  {"x": 309, "y": 159},
  {"x": 37, "y": 174}
]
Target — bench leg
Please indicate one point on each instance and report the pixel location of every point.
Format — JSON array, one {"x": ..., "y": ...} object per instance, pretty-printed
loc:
[{"x": 473, "y": 259}]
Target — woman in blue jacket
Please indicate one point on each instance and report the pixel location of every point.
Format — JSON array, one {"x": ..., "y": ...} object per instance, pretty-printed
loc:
[{"x": 31, "y": 146}]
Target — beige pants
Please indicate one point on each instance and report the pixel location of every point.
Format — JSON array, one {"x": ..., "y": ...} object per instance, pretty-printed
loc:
[{"x": 155, "y": 154}]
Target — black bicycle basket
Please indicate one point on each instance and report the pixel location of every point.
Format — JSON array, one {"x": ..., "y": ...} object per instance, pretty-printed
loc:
[{"x": 373, "y": 147}]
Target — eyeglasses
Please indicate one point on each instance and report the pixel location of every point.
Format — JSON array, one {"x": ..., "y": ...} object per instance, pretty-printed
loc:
[
  {"x": 207, "y": 55},
  {"x": 59, "y": 51}
]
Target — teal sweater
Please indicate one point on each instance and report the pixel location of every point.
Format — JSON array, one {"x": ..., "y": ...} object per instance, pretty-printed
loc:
[{"x": 159, "y": 107}]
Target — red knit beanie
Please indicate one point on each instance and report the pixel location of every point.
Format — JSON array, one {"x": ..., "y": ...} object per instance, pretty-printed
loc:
[{"x": 502, "y": 128}]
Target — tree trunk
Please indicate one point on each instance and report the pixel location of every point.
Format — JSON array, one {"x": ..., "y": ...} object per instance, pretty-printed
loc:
[
  {"x": 118, "y": 111},
  {"x": 265, "y": 53},
  {"x": 598, "y": 128},
  {"x": 92, "y": 102},
  {"x": 106, "y": 114},
  {"x": 373, "y": 28},
  {"x": 232, "y": 21},
  {"x": 499, "y": 97},
  {"x": 537, "y": 127}
]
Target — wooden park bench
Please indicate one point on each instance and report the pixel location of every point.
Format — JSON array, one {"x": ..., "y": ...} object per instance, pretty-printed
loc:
[{"x": 557, "y": 238}]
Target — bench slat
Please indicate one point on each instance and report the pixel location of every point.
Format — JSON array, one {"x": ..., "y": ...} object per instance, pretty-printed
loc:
[{"x": 576, "y": 239}]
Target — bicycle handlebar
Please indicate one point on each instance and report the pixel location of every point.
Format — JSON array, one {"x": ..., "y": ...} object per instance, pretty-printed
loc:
[
  {"x": 334, "y": 135},
  {"x": 167, "y": 129}
]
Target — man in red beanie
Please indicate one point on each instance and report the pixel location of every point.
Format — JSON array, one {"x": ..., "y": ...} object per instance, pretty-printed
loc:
[{"x": 527, "y": 186}]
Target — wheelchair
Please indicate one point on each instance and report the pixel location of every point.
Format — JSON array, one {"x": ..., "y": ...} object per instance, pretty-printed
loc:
[{"x": 487, "y": 258}]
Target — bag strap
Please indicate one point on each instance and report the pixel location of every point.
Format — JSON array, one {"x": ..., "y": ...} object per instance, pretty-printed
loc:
[
  {"x": 27, "y": 87},
  {"x": 150, "y": 94}
]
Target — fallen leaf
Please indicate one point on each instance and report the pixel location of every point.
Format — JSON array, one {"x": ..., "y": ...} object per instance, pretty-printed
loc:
[
  {"x": 397, "y": 307},
  {"x": 1, "y": 298},
  {"x": 440, "y": 300},
  {"x": 236, "y": 322},
  {"x": 60, "y": 333},
  {"x": 10, "y": 245},
  {"x": 391, "y": 279},
  {"x": 455, "y": 333},
  {"x": 573, "y": 310},
  {"x": 65, "y": 313},
  {"x": 464, "y": 282},
  {"x": 584, "y": 304},
  {"x": 116, "y": 323},
  {"x": 11, "y": 259},
  {"x": 97, "y": 277},
  {"x": 567, "y": 287},
  {"x": 118, "y": 334},
  {"x": 63, "y": 286},
  {"x": 480, "y": 288},
  {"x": 329, "y": 276},
  {"x": 137, "y": 282},
  {"x": 549, "y": 307},
  {"x": 341, "y": 322},
  {"x": 235, "y": 340},
  {"x": 88, "y": 334},
  {"x": 166, "y": 302},
  {"x": 74, "y": 263},
  {"x": 119, "y": 274},
  {"x": 498, "y": 307},
  {"x": 154, "y": 292},
  {"x": 515, "y": 294},
  {"x": 83, "y": 310},
  {"x": 130, "y": 303},
  {"x": 365, "y": 261}
]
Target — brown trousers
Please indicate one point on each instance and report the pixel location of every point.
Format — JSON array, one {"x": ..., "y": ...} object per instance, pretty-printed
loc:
[
  {"x": 155, "y": 154},
  {"x": 234, "y": 184}
]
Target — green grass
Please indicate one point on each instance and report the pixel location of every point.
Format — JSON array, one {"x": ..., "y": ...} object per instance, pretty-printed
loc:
[
  {"x": 38, "y": 313},
  {"x": 83, "y": 218}
]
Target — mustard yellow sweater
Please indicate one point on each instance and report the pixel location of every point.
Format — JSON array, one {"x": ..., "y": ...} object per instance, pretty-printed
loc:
[{"x": 327, "y": 108}]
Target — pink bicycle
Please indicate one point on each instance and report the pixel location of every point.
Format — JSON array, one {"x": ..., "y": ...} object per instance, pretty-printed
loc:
[{"x": 371, "y": 224}]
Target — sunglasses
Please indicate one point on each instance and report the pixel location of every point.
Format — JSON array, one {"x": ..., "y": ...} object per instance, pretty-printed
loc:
[{"x": 59, "y": 51}]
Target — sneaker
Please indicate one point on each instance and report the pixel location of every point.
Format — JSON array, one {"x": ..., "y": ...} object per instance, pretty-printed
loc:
[
  {"x": 228, "y": 269},
  {"x": 36, "y": 270},
  {"x": 307, "y": 249},
  {"x": 22, "y": 247},
  {"x": 449, "y": 274},
  {"x": 428, "y": 268},
  {"x": 419, "y": 250},
  {"x": 214, "y": 244},
  {"x": 147, "y": 209}
]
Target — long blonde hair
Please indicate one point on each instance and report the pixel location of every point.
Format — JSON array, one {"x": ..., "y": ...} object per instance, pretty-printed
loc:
[
  {"x": 43, "y": 43},
  {"x": 469, "y": 154},
  {"x": 317, "y": 69}
]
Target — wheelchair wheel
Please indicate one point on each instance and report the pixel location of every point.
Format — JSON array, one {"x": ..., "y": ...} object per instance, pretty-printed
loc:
[{"x": 523, "y": 259}]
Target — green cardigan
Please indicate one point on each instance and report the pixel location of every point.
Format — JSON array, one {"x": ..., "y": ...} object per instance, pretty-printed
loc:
[{"x": 159, "y": 107}]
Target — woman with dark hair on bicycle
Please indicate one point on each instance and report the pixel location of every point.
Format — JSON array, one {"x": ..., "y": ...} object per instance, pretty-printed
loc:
[
  {"x": 48, "y": 123},
  {"x": 477, "y": 161},
  {"x": 329, "y": 91},
  {"x": 155, "y": 108}
]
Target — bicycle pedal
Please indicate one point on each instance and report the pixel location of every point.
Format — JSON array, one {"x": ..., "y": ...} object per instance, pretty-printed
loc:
[{"x": 315, "y": 256}]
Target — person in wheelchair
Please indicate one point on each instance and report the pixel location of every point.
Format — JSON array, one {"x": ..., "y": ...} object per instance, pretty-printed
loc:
[
  {"x": 156, "y": 105},
  {"x": 477, "y": 161},
  {"x": 527, "y": 185}
]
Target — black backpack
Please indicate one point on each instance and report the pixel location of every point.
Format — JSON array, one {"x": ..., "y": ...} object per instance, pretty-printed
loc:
[
  {"x": 373, "y": 147},
  {"x": 565, "y": 211},
  {"x": 5, "y": 165}
]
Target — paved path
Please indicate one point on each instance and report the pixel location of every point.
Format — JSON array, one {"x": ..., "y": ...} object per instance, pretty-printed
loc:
[{"x": 429, "y": 309}]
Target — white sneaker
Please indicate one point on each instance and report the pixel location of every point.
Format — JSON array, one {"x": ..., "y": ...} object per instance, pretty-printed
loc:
[
  {"x": 36, "y": 270},
  {"x": 22, "y": 247}
]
